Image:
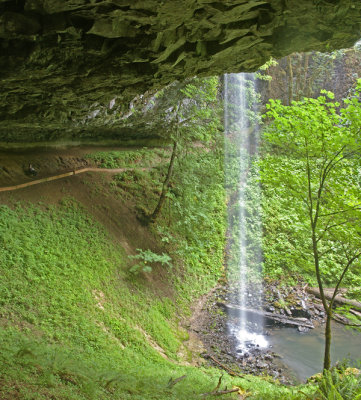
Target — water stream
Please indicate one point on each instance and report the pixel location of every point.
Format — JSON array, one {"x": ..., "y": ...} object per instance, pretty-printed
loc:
[
  {"x": 241, "y": 146},
  {"x": 303, "y": 352}
]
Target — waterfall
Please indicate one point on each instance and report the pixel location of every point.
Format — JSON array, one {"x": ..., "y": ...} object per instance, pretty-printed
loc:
[{"x": 245, "y": 258}]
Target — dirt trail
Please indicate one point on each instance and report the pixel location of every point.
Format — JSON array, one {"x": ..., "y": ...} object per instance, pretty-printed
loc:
[{"x": 75, "y": 172}]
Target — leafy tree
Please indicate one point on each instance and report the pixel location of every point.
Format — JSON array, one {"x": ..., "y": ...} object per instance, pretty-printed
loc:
[
  {"x": 185, "y": 113},
  {"x": 323, "y": 140}
]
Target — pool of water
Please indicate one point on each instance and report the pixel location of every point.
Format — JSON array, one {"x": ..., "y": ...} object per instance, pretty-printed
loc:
[{"x": 303, "y": 352}]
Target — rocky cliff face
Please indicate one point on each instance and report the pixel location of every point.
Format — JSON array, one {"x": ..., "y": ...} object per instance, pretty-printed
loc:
[{"x": 70, "y": 67}]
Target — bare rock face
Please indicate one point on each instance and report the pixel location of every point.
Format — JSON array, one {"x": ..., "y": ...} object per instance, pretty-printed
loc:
[{"x": 70, "y": 67}]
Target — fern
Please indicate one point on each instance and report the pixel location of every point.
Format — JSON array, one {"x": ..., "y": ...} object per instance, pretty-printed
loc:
[{"x": 340, "y": 384}]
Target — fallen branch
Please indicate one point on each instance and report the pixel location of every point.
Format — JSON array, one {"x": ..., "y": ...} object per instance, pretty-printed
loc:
[
  {"x": 230, "y": 372},
  {"x": 217, "y": 392},
  {"x": 220, "y": 392},
  {"x": 305, "y": 394},
  {"x": 356, "y": 313},
  {"x": 338, "y": 299},
  {"x": 218, "y": 384},
  {"x": 268, "y": 316},
  {"x": 172, "y": 381}
]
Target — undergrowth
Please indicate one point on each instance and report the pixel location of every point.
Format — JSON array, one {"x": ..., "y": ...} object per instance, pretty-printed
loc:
[{"x": 130, "y": 158}]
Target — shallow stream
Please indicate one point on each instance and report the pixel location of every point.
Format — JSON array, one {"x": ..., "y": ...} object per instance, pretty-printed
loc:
[{"x": 303, "y": 352}]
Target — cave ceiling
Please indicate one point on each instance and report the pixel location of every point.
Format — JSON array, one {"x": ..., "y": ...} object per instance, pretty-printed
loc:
[{"x": 69, "y": 68}]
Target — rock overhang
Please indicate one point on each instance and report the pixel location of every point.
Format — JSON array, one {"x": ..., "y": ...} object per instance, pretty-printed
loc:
[{"x": 69, "y": 68}]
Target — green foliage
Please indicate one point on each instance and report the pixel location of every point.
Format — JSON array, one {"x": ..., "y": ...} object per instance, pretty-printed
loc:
[
  {"x": 75, "y": 326},
  {"x": 125, "y": 158},
  {"x": 340, "y": 384},
  {"x": 136, "y": 185},
  {"x": 285, "y": 225},
  {"x": 262, "y": 72},
  {"x": 199, "y": 112},
  {"x": 196, "y": 217},
  {"x": 312, "y": 172},
  {"x": 63, "y": 281},
  {"x": 186, "y": 111},
  {"x": 147, "y": 258},
  {"x": 192, "y": 223},
  {"x": 78, "y": 326}
]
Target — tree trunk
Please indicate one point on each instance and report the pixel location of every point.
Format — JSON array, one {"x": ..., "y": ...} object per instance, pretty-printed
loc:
[
  {"x": 327, "y": 355},
  {"x": 298, "y": 76},
  {"x": 165, "y": 186},
  {"x": 290, "y": 80},
  {"x": 305, "y": 73}
]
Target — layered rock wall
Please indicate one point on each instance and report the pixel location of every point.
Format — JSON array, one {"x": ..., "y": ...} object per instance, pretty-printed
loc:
[{"x": 68, "y": 68}]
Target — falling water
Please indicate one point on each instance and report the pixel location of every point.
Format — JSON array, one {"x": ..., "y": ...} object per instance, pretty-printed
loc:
[{"x": 245, "y": 259}]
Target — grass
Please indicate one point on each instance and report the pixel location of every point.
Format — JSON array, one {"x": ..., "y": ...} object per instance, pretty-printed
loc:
[{"x": 74, "y": 324}]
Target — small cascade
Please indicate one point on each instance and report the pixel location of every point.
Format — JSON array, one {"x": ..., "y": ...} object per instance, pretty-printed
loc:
[{"x": 244, "y": 258}]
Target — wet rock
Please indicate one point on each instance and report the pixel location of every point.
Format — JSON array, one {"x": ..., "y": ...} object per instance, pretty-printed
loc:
[
  {"x": 288, "y": 311},
  {"x": 302, "y": 329},
  {"x": 301, "y": 313}
]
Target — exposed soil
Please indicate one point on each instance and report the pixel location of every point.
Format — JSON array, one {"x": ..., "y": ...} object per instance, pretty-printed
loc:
[{"x": 14, "y": 165}]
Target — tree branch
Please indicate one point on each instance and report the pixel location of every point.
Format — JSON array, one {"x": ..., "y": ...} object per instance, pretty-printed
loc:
[
  {"x": 329, "y": 227},
  {"x": 172, "y": 381},
  {"x": 356, "y": 207},
  {"x": 349, "y": 263},
  {"x": 345, "y": 323}
]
